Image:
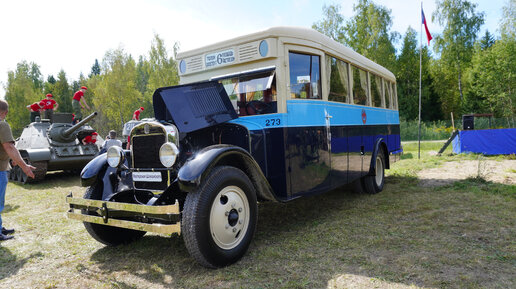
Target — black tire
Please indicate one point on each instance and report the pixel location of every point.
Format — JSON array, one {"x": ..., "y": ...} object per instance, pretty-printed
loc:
[
  {"x": 374, "y": 184},
  {"x": 219, "y": 219},
  {"x": 108, "y": 235}
]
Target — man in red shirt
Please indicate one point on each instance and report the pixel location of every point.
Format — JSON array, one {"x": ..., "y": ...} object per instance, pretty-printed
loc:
[
  {"x": 49, "y": 108},
  {"x": 136, "y": 114},
  {"x": 90, "y": 139},
  {"x": 78, "y": 102},
  {"x": 35, "y": 110}
]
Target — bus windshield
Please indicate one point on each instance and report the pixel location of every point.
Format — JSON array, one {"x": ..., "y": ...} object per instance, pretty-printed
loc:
[{"x": 252, "y": 93}]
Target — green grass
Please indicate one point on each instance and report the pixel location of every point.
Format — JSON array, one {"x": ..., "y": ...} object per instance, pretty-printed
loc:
[{"x": 457, "y": 236}]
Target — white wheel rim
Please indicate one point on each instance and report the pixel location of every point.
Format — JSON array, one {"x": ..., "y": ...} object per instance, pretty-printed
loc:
[
  {"x": 379, "y": 171},
  {"x": 229, "y": 217}
]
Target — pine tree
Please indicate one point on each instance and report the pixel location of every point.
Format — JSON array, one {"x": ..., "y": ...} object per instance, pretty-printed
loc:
[{"x": 95, "y": 69}]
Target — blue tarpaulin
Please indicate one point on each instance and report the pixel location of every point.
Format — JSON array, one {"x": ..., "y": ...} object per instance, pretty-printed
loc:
[{"x": 486, "y": 141}]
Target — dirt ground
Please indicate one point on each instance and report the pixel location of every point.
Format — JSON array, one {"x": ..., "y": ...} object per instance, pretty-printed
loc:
[{"x": 498, "y": 171}]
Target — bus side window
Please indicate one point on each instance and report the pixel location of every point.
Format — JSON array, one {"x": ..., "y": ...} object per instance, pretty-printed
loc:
[
  {"x": 376, "y": 90},
  {"x": 394, "y": 96},
  {"x": 338, "y": 77},
  {"x": 388, "y": 93},
  {"x": 305, "y": 76},
  {"x": 359, "y": 85}
]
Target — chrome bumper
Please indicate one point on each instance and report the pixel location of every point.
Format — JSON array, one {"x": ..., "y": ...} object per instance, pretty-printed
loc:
[{"x": 105, "y": 208}]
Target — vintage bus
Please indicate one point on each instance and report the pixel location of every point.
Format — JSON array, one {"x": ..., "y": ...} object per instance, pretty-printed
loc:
[{"x": 270, "y": 116}]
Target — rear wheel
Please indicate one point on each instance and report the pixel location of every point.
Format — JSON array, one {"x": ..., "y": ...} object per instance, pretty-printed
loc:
[
  {"x": 374, "y": 184},
  {"x": 219, "y": 219},
  {"x": 108, "y": 235}
]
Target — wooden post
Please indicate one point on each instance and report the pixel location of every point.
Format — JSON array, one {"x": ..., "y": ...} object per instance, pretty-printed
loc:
[{"x": 452, "y": 121}]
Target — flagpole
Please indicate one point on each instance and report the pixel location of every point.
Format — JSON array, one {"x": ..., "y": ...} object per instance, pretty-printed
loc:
[{"x": 420, "y": 61}]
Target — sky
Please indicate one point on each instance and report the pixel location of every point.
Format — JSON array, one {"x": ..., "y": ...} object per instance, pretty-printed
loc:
[{"x": 70, "y": 34}]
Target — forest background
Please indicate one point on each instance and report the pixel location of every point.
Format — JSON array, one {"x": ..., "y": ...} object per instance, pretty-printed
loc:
[{"x": 465, "y": 73}]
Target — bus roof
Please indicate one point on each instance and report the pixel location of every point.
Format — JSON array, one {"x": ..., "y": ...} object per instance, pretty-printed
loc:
[{"x": 309, "y": 37}]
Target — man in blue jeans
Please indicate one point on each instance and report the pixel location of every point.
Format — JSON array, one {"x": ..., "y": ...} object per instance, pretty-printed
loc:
[{"x": 8, "y": 150}]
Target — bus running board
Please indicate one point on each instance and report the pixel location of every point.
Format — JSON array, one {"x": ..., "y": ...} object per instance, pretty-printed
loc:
[{"x": 104, "y": 208}]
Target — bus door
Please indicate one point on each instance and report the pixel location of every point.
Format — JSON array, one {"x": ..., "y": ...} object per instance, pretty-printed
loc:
[
  {"x": 308, "y": 126},
  {"x": 355, "y": 152}
]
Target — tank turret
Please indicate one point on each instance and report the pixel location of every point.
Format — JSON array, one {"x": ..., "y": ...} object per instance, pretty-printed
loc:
[
  {"x": 54, "y": 146},
  {"x": 64, "y": 133}
]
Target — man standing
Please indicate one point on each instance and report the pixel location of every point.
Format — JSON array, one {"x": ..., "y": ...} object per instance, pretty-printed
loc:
[
  {"x": 112, "y": 141},
  {"x": 8, "y": 150},
  {"x": 49, "y": 106},
  {"x": 136, "y": 114},
  {"x": 78, "y": 102}
]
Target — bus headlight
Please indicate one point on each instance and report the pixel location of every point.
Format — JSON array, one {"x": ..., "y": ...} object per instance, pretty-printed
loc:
[
  {"x": 168, "y": 154},
  {"x": 115, "y": 156}
]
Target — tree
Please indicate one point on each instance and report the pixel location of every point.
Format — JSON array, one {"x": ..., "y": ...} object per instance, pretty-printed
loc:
[
  {"x": 368, "y": 33},
  {"x": 407, "y": 76},
  {"x": 95, "y": 69},
  {"x": 487, "y": 40},
  {"x": 62, "y": 92},
  {"x": 51, "y": 79},
  {"x": 162, "y": 71},
  {"x": 332, "y": 24},
  {"x": 493, "y": 79},
  {"x": 36, "y": 76},
  {"x": 455, "y": 46},
  {"x": 49, "y": 85},
  {"x": 23, "y": 88},
  {"x": 114, "y": 93},
  {"x": 142, "y": 75},
  {"x": 508, "y": 22}
]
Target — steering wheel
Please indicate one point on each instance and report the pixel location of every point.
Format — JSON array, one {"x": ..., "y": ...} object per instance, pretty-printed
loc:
[{"x": 257, "y": 106}]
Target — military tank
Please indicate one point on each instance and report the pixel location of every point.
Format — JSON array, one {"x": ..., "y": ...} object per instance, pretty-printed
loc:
[{"x": 52, "y": 146}]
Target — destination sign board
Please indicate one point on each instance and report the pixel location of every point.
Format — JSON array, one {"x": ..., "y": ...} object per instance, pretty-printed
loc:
[{"x": 219, "y": 58}]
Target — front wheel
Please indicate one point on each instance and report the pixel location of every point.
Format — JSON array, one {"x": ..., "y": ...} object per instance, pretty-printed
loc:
[
  {"x": 108, "y": 235},
  {"x": 374, "y": 184},
  {"x": 219, "y": 219}
]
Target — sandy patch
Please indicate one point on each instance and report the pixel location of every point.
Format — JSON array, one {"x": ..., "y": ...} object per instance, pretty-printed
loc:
[
  {"x": 494, "y": 171},
  {"x": 357, "y": 281}
]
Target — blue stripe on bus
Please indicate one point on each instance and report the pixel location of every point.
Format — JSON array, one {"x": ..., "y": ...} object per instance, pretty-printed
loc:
[
  {"x": 313, "y": 112},
  {"x": 309, "y": 113}
]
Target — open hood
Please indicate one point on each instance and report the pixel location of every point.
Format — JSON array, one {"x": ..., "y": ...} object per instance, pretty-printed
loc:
[{"x": 193, "y": 106}]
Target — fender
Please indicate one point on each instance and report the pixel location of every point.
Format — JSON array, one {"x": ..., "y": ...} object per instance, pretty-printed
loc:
[
  {"x": 195, "y": 170},
  {"x": 372, "y": 168},
  {"x": 90, "y": 172},
  {"x": 36, "y": 155}
]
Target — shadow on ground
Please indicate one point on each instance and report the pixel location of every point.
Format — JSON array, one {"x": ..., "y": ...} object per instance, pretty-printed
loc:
[
  {"x": 406, "y": 235},
  {"x": 9, "y": 208},
  {"x": 10, "y": 263}
]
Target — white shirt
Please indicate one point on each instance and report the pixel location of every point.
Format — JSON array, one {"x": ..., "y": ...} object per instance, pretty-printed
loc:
[{"x": 112, "y": 142}]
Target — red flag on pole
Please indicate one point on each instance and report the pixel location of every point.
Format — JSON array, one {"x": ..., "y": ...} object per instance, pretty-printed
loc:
[{"x": 428, "y": 36}]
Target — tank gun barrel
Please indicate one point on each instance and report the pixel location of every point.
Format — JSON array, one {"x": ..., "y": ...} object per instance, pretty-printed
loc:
[{"x": 69, "y": 131}]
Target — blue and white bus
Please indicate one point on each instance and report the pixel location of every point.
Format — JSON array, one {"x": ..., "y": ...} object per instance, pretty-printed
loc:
[
  {"x": 326, "y": 112},
  {"x": 270, "y": 116}
]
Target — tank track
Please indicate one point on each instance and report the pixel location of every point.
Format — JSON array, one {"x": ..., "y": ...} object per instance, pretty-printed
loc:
[{"x": 17, "y": 175}]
